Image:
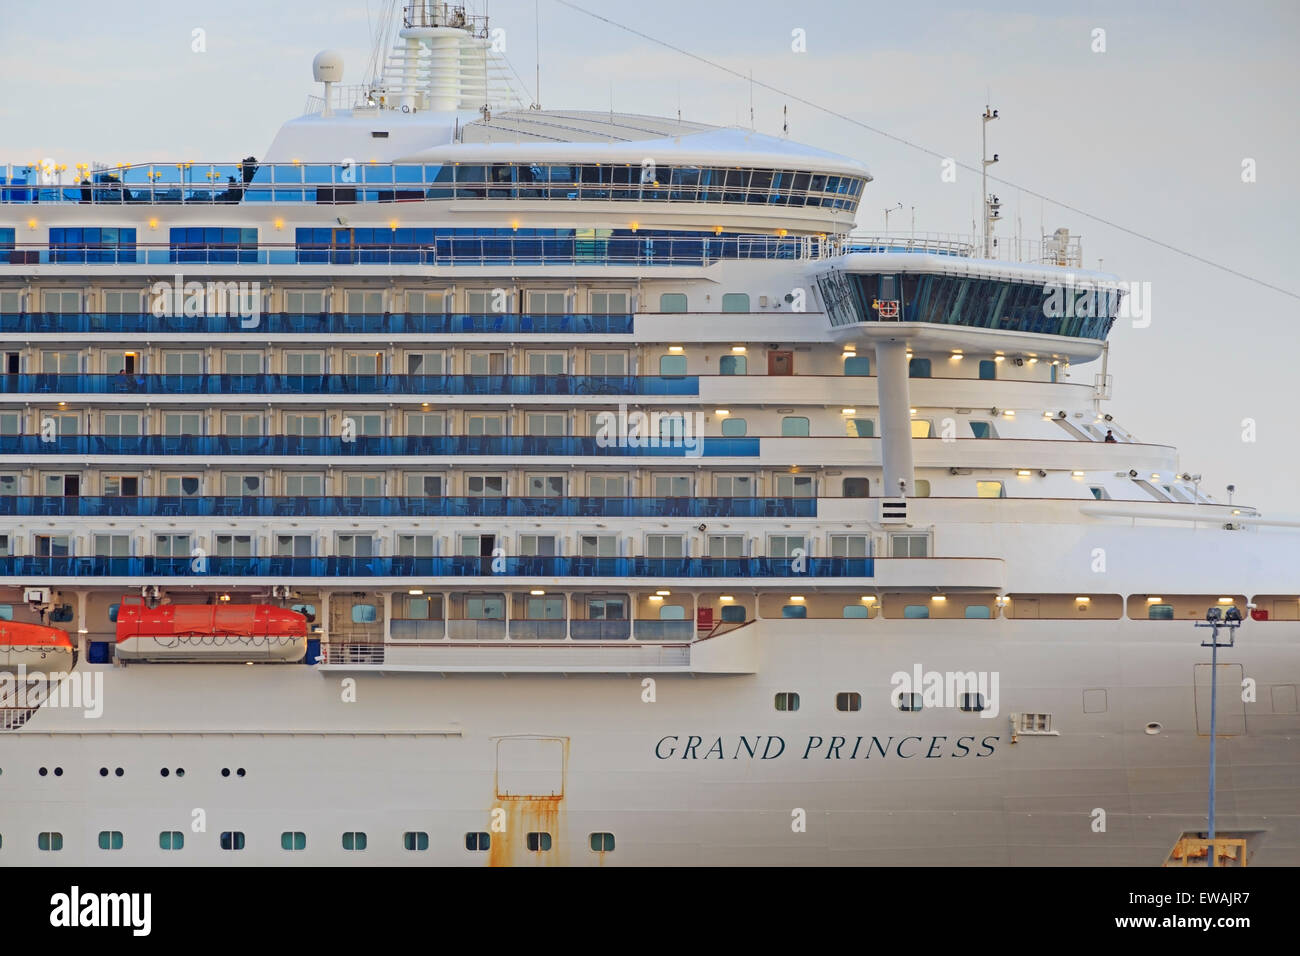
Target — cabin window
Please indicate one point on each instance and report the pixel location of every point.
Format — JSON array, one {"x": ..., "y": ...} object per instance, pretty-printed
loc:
[
  {"x": 672, "y": 302},
  {"x": 978, "y": 612},
  {"x": 364, "y": 614},
  {"x": 860, "y": 428},
  {"x": 50, "y": 840},
  {"x": 856, "y": 611},
  {"x": 171, "y": 840},
  {"x": 971, "y": 703},
  {"x": 918, "y": 368},
  {"x": 856, "y": 488},
  {"x": 478, "y": 842},
  {"x": 983, "y": 430},
  {"x": 232, "y": 840},
  {"x": 909, "y": 703},
  {"x": 672, "y": 365},
  {"x": 1160, "y": 612},
  {"x": 909, "y": 545},
  {"x": 794, "y": 426},
  {"x": 921, "y": 428},
  {"x": 112, "y": 613},
  {"x": 734, "y": 614},
  {"x": 293, "y": 840},
  {"x": 916, "y": 611},
  {"x": 733, "y": 365},
  {"x": 848, "y": 700},
  {"x": 990, "y": 489},
  {"x": 921, "y": 488},
  {"x": 354, "y": 840},
  {"x": 110, "y": 839},
  {"x": 539, "y": 841},
  {"x": 415, "y": 840},
  {"x": 734, "y": 427},
  {"x": 988, "y": 369},
  {"x": 735, "y": 302},
  {"x": 787, "y": 701},
  {"x": 601, "y": 842},
  {"x": 61, "y": 614},
  {"x": 857, "y": 365}
]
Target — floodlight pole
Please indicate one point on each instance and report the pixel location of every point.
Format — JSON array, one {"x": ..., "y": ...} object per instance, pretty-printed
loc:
[{"x": 1214, "y": 646}]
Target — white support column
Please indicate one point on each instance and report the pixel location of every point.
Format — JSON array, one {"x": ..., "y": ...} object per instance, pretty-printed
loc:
[
  {"x": 83, "y": 632},
  {"x": 895, "y": 417}
]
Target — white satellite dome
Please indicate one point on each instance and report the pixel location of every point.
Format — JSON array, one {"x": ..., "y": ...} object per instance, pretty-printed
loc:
[{"x": 327, "y": 67}]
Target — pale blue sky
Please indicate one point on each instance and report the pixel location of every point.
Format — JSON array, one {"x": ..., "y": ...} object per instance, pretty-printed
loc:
[{"x": 1150, "y": 134}]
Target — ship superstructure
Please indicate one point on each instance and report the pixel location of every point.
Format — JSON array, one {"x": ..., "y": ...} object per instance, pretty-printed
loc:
[{"x": 597, "y": 454}]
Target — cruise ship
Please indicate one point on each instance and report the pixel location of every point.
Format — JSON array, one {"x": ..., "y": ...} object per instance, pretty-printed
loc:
[{"x": 462, "y": 484}]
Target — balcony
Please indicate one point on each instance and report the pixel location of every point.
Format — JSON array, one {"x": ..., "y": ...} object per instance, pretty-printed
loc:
[
  {"x": 425, "y": 568},
  {"x": 318, "y": 323},
  {"x": 734, "y": 652},
  {"x": 335, "y": 384},
  {"x": 404, "y": 507},
  {"x": 504, "y": 446}
]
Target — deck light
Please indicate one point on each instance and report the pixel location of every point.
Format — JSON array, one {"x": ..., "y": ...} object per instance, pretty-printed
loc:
[
  {"x": 1225, "y": 600},
  {"x": 1078, "y": 474},
  {"x": 868, "y": 599},
  {"x": 848, "y": 411},
  {"x": 31, "y": 223},
  {"x": 939, "y": 598},
  {"x": 722, "y": 412},
  {"x": 675, "y": 348},
  {"x": 1154, "y": 600},
  {"x": 797, "y": 598},
  {"x": 738, "y": 349},
  {"x": 999, "y": 358},
  {"x": 1009, "y": 413},
  {"x": 279, "y": 225},
  {"x": 663, "y": 593},
  {"x": 1024, "y": 472},
  {"x": 1155, "y": 476},
  {"x": 536, "y": 592},
  {"x": 415, "y": 592},
  {"x": 726, "y": 598},
  {"x": 655, "y": 597}
]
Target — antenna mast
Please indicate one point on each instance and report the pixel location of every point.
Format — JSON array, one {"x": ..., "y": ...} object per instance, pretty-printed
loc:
[
  {"x": 537, "y": 58},
  {"x": 991, "y": 203}
]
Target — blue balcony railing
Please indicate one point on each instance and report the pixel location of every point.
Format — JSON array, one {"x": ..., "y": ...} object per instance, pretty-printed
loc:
[
  {"x": 452, "y": 566},
  {"x": 336, "y": 384},
  {"x": 321, "y": 506},
  {"x": 320, "y": 323},
  {"x": 571, "y": 446}
]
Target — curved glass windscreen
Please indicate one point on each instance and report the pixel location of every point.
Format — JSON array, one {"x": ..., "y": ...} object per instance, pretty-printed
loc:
[
  {"x": 253, "y": 182},
  {"x": 1077, "y": 309}
]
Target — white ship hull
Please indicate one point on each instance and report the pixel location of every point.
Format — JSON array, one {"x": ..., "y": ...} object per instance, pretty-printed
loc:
[{"x": 424, "y": 753}]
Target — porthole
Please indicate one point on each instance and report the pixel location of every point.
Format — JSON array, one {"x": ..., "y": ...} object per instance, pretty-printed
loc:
[
  {"x": 239, "y": 772},
  {"x": 225, "y": 771},
  {"x": 43, "y": 771},
  {"x": 164, "y": 771},
  {"x": 1153, "y": 728},
  {"x": 103, "y": 771},
  {"x": 119, "y": 772},
  {"x": 58, "y": 771}
]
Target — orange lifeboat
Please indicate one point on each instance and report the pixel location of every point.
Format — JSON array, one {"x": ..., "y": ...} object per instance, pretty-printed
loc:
[
  {"x": 34, "y": 647},
  {"x": 209, "y": 632}
]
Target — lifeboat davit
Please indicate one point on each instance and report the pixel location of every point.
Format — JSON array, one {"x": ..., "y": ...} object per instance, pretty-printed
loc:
[
  {"x": 209, "y": 632},
  {"x": 34, "y": 647}
]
